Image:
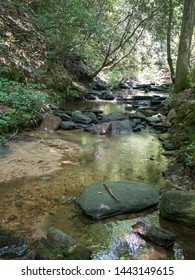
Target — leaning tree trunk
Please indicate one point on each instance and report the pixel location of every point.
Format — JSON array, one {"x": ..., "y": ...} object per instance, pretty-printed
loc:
[{"x": 183, "y": 79}]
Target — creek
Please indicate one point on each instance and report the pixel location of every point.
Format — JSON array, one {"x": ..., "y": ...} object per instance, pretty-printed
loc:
[{"x": 49, "y": 200}]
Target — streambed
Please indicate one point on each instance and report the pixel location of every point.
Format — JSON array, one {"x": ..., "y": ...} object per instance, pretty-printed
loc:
[{"x": 31, "y": 204}]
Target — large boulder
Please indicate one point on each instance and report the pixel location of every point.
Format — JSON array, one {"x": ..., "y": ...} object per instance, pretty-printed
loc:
[
  {"x": 179, "y": 207},
  {"x": 106, "y": 199}
]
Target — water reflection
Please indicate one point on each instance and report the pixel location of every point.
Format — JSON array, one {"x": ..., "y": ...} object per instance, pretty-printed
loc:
[
  {"x": 124, "y": 244},
  {"x": 99, "y": 158},
  {"x": 107, "y": 107},
  {"x": 121, "y": 157}
]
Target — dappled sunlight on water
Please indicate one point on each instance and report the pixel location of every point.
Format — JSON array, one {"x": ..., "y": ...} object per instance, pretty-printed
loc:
[{"x": 30, "y": 206}]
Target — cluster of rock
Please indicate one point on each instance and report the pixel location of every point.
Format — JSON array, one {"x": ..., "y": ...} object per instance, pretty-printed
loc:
[
  {"x": 131, "y": 100},
  {"x": 96, "y": 122},
  {"x": 57, "y": 245},
  {"x": 106, "y": 199}
]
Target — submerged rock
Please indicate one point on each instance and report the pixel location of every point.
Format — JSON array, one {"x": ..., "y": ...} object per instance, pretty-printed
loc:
[
  {"x": 106, "y": 199},
  {"x": 121, "y": 127},
  {"x": 59, "y": 238},
  {"x": 5, "y": 150},
  {"x": 179, "y": 207},
  {"x": 11, "y": 246},
  {"x": 154, "y": 234}
]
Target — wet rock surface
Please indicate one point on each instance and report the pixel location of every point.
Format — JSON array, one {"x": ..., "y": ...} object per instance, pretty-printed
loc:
[
  {"x": 11, "y": 246},
  {"x": 179, "y": 207},
  {"x": 106, "y": 199},
  {"x": 154, "y": 234}
]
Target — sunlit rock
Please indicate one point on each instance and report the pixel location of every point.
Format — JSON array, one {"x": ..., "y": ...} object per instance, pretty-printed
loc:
[{"x": 50, "y": 122}]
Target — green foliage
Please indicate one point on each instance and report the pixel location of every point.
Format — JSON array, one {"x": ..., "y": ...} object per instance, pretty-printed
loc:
[
  {"x": 168, "y": 102},
  {"x": 21, "y": 104},
  {"x": 2, "y": 140}
]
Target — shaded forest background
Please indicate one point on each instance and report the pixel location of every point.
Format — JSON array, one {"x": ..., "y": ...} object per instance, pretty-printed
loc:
[
  {"x": 57, "y": 42},
  {"x": 59, "y": 49}
]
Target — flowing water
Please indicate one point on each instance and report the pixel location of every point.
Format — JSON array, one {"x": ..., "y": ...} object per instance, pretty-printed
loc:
[{"x": 98, "y": 158}]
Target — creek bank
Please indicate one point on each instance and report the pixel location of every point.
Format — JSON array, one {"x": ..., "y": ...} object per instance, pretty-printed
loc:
[
  {"x": 180, "y": 140},
  {"x": 33, "y": 157}
]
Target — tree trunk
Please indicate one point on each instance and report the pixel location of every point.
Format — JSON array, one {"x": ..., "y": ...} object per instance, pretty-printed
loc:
[
  {"x": 169, "y": 28},
  {"x": 183, "y": 79}
]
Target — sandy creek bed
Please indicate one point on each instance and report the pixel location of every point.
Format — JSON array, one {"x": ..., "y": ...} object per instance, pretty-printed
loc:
[{"x": 24, "y": 177}]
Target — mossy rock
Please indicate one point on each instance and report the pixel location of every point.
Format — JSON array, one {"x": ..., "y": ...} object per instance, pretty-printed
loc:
[
  {"x": 5, "y": 150},
  {"x": 106, "y": 199},
  {"x": 179, "y": 207}
]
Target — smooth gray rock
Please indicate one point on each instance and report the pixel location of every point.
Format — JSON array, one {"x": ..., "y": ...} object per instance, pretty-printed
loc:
[
  {"x": 106, "y": 199},
  {"x": 66, "y": 125},
  {"x": 59, "y": 238},
  {"x": 117, "y": 116},
  {"x": 121, "y": 127}
]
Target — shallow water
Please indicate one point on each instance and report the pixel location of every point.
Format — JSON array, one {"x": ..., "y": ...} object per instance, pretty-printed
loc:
[{"x": 50, "y": 200}]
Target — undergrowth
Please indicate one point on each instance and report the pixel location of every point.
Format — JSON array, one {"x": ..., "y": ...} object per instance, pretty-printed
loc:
[{"x": 20, "y": 106}]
